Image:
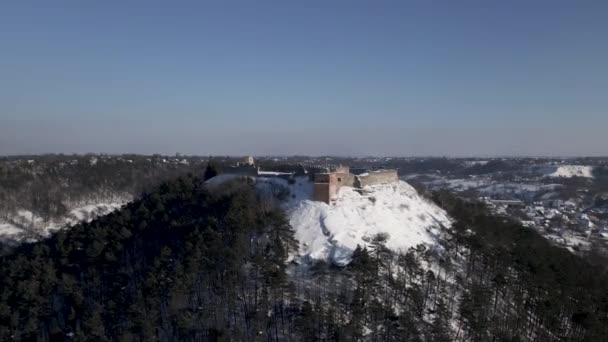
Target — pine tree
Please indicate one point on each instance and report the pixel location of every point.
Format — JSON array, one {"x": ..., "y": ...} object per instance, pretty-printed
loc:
[{"x": 210, "y": 171}]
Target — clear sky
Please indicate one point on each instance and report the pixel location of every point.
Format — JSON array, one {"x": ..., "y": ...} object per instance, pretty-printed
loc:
[{"x": 401, "y": 78}]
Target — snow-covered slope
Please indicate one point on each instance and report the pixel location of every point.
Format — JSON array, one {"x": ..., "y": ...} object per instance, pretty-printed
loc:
[
  {"x": 332, "y": 232},
  {"x": 29, "y": 225},
  {"x": 569, "y": 171}
]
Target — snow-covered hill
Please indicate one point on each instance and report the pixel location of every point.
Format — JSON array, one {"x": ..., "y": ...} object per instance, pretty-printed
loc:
[
  {"x": 569, "y": 171},
  {"x": 332, "y": 232}
]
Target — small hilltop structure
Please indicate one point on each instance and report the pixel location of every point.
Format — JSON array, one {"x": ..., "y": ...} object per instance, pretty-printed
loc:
[{"x": 326, "y": 182}]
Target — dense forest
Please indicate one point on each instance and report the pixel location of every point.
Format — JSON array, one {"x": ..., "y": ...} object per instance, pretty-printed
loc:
[{"x": 189, "y": 264}]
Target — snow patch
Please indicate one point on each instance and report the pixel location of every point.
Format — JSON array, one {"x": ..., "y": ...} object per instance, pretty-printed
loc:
[
  {"x": 569, "y": 171},
  {"x": 8, "y": 230},
  {"x": 27, "y": 224}
]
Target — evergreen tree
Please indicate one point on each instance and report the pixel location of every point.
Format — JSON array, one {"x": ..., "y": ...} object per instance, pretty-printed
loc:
[{"x": 210, "y": 171}]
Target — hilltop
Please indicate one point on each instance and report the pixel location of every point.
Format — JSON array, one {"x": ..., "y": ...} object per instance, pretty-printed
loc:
[{"x": 332, "y": 232}]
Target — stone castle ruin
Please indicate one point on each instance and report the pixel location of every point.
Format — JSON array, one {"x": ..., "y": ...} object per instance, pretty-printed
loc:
[{"x": 326, "y": 183}]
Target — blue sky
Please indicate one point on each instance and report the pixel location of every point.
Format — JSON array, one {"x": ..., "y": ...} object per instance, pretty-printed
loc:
[{"x": 455, "y": 78}]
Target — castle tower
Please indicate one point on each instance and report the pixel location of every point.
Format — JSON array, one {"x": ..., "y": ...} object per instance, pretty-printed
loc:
[{"x": 324, "y": 187}]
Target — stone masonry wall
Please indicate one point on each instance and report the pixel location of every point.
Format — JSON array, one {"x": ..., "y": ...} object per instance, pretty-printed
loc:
[
  {"x": 324, "y": 187},
  {"x": 377, "y": 177},
  {"x": 327, "y": 185},
  {"x": 322, "y": 192}
]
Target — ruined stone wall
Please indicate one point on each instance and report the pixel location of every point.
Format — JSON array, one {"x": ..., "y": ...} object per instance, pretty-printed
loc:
[
  {"x": 327, "y": 185},
  {"x": 377, "y": 177}
]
